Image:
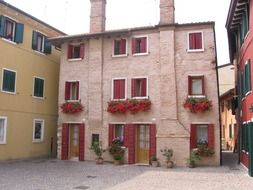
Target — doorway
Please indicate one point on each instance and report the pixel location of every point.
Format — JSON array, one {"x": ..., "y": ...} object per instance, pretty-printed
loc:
[
  {"x": 143, "y": 142},
  {"x": 74, "y": 142}
]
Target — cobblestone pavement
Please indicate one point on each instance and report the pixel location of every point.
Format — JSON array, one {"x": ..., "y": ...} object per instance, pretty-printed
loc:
[{"x": 44, "y": 174}]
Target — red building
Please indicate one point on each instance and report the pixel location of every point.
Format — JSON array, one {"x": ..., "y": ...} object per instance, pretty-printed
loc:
[{"x": 239, "y": 26}]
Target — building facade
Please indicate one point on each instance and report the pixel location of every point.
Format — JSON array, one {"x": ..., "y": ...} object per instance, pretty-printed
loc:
[
  {"x": 228, "y": 121},
  {"x": 239, "y": 26},
  {"x": 133, "y": 84},
  {"x": 29, "y": 85}
]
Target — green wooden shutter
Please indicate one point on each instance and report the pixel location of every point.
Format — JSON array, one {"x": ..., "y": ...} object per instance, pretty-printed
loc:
[
  {"x": 230, "y": 131},
  {"x": 47, "y": 47},
  {"x": 34, "y": 40},
  {"x": 2, "y": 25},
  {"x": 9, "y": 79},
  {"x": 250, "y": 135},
  {"x": 249, "y": 75},
  {"x": 38, "y": 87},
  {"x": 19, "y": 30},
  {"x": 243, "y": 84}
]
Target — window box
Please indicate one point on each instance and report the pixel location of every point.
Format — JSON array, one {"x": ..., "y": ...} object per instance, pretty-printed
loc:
[
  {"x": 131, "y": 105},
  {"x": 72, "y": 107},
  {"x": 40, "y": 43},
  {"x": 198, "y": 105},
  {"x": 11, "y": 30},
  {"x": 195, "y": 42}
]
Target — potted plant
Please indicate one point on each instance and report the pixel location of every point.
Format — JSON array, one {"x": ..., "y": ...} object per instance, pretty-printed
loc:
[
  {"x": 191, "y": 161},
  {"x": 98, "y": 150},
  {"x": 198, "y": 105},
  {"x": 117, "y": 150},
  {"x": 154, "y": 161},
  {"x": 168, "y": 153},
  {"x": 204, "y": 150}
]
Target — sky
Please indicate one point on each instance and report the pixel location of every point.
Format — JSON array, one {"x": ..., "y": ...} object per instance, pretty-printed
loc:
[{"x": 72, "y": 16}]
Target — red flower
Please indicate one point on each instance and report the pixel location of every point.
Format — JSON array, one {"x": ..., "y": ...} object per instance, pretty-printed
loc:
[
  {"x": 72, "y": 107},
  {"x": 198, "y": 104}
]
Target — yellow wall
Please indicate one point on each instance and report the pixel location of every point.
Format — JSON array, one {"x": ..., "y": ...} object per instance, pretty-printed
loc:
[{"x": 21, "y": 108}]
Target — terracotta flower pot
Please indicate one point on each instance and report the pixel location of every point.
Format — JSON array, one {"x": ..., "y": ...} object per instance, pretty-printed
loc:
[
  {"x": 100, "y": 160},
  {"x": 117, "y": 162},
  {"x": 155, "y": 163},
  {"x": 170, "y": 164}
]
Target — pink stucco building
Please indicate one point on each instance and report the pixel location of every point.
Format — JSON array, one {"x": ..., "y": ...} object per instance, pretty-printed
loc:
[{"x": 130, "y": 68}]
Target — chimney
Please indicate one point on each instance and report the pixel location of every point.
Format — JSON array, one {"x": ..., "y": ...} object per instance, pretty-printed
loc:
[
  {"x": 97, "y": 16},
  {"x": 167, "y": 9}
]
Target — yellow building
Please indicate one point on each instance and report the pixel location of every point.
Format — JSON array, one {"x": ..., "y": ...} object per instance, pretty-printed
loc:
[{"x": 28, "y": 85}]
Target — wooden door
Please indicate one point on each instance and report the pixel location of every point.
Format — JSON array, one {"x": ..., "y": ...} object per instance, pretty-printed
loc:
[
  {"x": 143, "y": 144},
  {"x": 74, "y": 141}
]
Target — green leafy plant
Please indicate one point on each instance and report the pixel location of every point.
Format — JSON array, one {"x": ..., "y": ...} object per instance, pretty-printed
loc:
[
  {"x": 167, "y": 153},
  {"x": 97, "y": 149},
  {"x": 153, "y": 158}
]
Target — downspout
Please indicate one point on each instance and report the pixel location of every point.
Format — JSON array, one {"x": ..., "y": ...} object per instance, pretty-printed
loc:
[{"x": 218, "y": 90}]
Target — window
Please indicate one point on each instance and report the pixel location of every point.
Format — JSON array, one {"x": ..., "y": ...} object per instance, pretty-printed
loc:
[
  {"x": 40, "y": 43},
  {"x": 201, "y": 133},
  {"x": 196, "y": 85},
  {"x": 139, "y": 45},
  {"x": 72, "y": 90},
  {"x": 246, "y": 78},
  {"x": 195, "y": 41},
  {"x": 76, "y": 51},
  {"x": 244, "y": 23},
  {"x": 38, "y": 88},
  {"x": 38, "y": 130},
  {"x": 3, "y": 125},
  {"x": 115, "y": 130},
  {"x": 119, "y": 47},
  {"x": 245, "y": 136},
  {"x": 230, "y": 131},
  {"x": 9, "y": 81},
  {"x": 119, "y": 89},
  {"x": 95, "y": 139},
  {"x": 139, "y": 87},
  {"x": 11, "y": 30}
]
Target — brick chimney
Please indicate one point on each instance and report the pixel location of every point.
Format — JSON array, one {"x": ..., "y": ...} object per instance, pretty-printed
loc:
[
  {"x": 167, "y": 9},
  {"x": 97, "y": 16}
]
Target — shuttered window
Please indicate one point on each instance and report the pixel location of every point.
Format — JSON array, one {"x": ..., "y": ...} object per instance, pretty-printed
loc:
[
  {"x": 245, "y": 137},
  {"x": 11, "y": 30},
  {"x": 246, "y": 78},
  {"x": 201, "y": 133},
  {"x": 119, "y": 47},
  {"x": 76, "y": 51},
  {"x": 72, "y": 90},
  {"x": 119, "y": 91},
  {"x": 40, "y": 43},
  {"x": 9, "y": 81},
  {"x": 195, "y": 41},
  {"x": 38, "y": 89},
  {"x": 139, "y": 87},
  {"x": 196, "y": 85},
  {"x": 139, "y": 45}
]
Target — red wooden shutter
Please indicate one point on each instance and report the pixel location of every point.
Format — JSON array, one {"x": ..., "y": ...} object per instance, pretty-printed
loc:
[
  {"x": 67, "y": 90},
  {"x": 189, "y": 85},
  {"x": 70, "y": 49},
  {"x": 198, "y": 40},
  {"x": 82, "y": 49},
  {"x": 131, "y": 144},
  {"x": 133, "y": 87},
  {"x": 122, "y": 89},
  {"x": 193, "y": 137},
  {"x": 116, "y": 89},
  {"x": 144, "y": 87},
  {"x": 152, "y": 140},
  {"x": 65, "y": 141},
  {"x": 77, "y": 90},
  {"x": 203, "y": 85},
  {"x": 143, "y": 45},
  {"x": 110, "y": 134},
  {"x": 211, "y": 136},
  {"x": 133, "y": 45},
  {"x": 125, "y": 135},
  {"x": 191, "y": 41},
  {"x": 81, "y": 141},
  {"x": 123, "y": 46}
]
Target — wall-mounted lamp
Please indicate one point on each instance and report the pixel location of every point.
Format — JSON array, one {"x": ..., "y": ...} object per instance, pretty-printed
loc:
[{"x": 251, "y": 108}]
